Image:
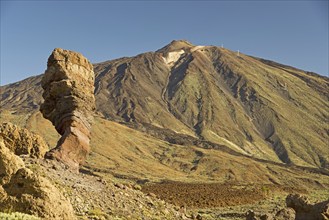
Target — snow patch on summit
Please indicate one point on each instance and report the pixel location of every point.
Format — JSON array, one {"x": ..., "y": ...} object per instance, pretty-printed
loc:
[{"x": 172, "y": 57}]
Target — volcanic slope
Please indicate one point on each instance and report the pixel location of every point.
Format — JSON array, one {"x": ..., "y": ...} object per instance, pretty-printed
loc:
[{"x": 253, "y": 106}]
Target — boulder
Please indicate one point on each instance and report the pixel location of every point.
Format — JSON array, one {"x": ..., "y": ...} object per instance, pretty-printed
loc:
[
  {"x": 69, "y": 103},
  {"x": 306, "y": 210},
  {"x": 21, "y": 141},
  {"x": 9, "y": 163},
  {"x": 251, "y": 215},
  {"x": 298, "y": 202},
  {"x": 30, "y": 193},
  {"x": 321, "y": 210},
  {"x": 21, "y": 190}
]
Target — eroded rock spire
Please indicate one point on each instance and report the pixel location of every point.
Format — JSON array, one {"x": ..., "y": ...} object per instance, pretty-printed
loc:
[{"x": 69, "y": 103}]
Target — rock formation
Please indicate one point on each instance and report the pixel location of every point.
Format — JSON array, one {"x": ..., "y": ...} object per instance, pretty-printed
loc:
[
  {"x": 21, "y": 141},
  {"x": 69, "y": 101},
  {"x": 306, "y": 210},
  {"x": 21, "y": 190},
  {"x": 298, "y": 208}
]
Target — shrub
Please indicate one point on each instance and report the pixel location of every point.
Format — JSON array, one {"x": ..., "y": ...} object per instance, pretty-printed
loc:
[{"x": 17, "y": 216}]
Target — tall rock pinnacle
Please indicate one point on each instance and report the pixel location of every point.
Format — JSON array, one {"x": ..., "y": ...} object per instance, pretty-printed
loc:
[{"x": 69, "y": 101}]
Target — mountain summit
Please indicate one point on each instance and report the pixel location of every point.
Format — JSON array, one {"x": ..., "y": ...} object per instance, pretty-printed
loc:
[
  {"x": 253, "y": 107},
  {"x": 176, "y": 45}
]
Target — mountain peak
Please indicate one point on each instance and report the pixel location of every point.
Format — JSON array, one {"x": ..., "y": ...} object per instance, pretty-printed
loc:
[
  {"x": 180, "y": 43},
  {"x": 176, "y": 45}
]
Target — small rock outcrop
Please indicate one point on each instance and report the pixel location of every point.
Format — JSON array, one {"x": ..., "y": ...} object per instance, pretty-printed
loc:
[
  {"x": 251, "y": 215},
  {"x": 298, "y": 208},
  {"x": 69, "y": 103},
  {"x": 21, "y": 141},
  {"x": 306, "y": 210},
  {"x": 285, "y": 214},
  {"x": 299, "y": 203},
  {"x": 21, "y": 190}
]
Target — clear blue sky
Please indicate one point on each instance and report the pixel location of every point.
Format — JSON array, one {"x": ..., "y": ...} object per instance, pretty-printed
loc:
[{"x": 289, "y": 32}]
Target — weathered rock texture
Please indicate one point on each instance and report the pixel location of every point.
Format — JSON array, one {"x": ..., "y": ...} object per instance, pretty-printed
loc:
[
  {"x": 69, "y": 101},
  {"x": 9, "y": 163},
  {"x": 285, "y": 214},
  {"x": 29, "y": 193},
  {"x": 306, "y": 210},
  {"x": 21, "y": 141},
  {"x": 21, "y": 190}
]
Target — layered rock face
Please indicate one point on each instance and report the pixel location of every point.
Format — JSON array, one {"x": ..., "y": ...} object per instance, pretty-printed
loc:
[{"x": 69, "y": 101}]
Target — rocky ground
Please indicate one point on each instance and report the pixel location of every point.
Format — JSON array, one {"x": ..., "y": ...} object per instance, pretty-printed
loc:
[
  {"x": 50, "y": 189},
  {"x": 205, "y": 195},
  {"x": 234, "y": 201},
  {"x": 94, "y": 198}
]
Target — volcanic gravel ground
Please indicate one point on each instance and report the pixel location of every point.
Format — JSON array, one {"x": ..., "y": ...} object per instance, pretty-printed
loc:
[{"x": 209, "y": 195}]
